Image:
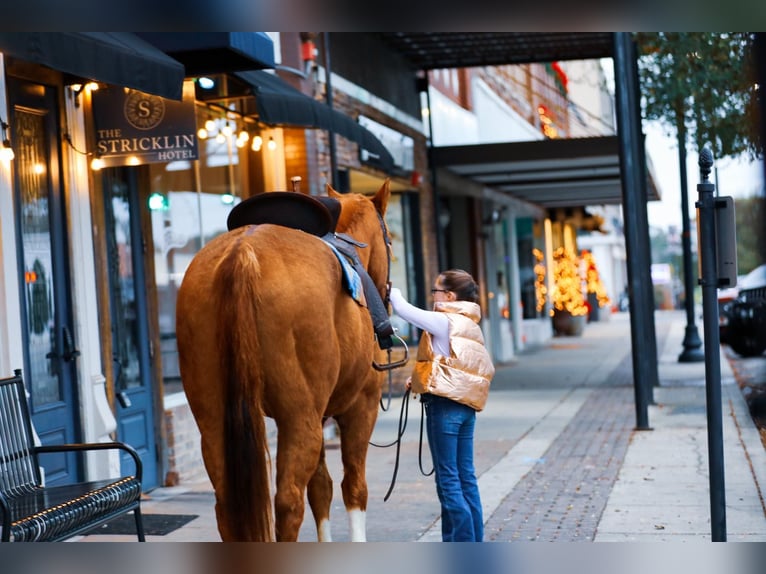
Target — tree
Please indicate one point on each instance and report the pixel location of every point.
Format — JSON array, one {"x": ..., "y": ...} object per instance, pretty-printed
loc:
[{"x": 702, "y": 84}]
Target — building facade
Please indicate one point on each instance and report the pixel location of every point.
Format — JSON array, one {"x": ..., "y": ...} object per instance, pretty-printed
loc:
[{"x": 103, "y": 206}]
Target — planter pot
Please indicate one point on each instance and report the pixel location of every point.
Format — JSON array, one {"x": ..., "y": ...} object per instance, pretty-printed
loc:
[
  {"x": 594, "y": 313},
  {"x": 564, "y": 324}
]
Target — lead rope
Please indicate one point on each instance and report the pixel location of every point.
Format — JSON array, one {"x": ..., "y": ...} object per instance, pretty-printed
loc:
[
  {"x": 403, "y": 416},
  {"x": 420, "y": 443}
]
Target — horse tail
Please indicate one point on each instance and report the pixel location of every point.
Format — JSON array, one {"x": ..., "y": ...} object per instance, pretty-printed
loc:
[{"x": 247, "y": 467}]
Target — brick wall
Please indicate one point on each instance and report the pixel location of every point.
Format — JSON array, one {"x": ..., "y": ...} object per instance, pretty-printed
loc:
[{"x": 184, "y": 456}]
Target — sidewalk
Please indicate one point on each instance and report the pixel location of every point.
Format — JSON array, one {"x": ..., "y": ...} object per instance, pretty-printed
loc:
[{"x": 557, "y": 455}]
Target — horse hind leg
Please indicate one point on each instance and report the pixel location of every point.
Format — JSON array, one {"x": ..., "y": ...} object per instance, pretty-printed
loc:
[
  {"x": 298, "y": 454},
  {"x": 320, "y": 498}
]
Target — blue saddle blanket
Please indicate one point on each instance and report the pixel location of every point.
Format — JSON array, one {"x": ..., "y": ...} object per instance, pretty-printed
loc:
[{"x": 351, "y": 279}]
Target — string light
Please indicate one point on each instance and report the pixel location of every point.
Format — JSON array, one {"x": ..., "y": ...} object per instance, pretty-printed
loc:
[
  {"x": 97, "y": 164},
  {"x": 257, "y": 143},
  {"x": 272, "y": 145}
]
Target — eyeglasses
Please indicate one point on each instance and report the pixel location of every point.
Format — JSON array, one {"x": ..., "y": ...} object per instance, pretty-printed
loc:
[{"x": 433, "y": 291}]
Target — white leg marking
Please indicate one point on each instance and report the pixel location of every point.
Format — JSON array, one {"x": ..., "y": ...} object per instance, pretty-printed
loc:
[
  {"x": 324, "y": 533},
  {"x": 357, "y": 525}
]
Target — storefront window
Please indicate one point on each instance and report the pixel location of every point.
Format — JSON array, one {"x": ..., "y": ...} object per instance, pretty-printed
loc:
[
  {"x": 189, "y": 203},
  {"x": 527, "y": 262},
  {"x": 400, "y": 265}
]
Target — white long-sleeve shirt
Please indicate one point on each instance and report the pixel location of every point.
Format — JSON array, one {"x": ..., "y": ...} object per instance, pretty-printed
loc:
[{"x": 434, "y": 322}]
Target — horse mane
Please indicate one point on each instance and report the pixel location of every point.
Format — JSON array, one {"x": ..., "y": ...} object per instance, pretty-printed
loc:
[{"x": 354, "y": 209}]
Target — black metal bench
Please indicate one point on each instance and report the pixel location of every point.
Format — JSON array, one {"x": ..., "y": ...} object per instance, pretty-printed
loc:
[{"x": 31, "y": 511}]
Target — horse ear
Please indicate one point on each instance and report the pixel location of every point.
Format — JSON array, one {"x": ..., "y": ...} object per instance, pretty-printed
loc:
[
  {"x": 331, "y": 192},
  {"x": 381, "y": 198}
]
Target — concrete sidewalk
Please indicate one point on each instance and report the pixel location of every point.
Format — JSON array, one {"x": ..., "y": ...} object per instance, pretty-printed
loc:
[{"x": 557, "y": 455}]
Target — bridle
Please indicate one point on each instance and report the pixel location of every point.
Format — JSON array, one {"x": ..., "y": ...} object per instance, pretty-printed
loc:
[
  {"x": 381, "y": 321},
  {"x": 404, "y": 411},
  {"x": 390, "y": 366}
]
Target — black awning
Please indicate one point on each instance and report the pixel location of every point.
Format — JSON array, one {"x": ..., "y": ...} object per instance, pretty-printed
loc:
[
  {"x": 215, "y": 52},
  {"x": 118, "y": 58},
  {"x": 551, "y": 173},
  {"x": 279, "y": 104}
]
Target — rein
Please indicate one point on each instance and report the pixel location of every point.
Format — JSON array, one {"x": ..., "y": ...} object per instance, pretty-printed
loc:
[{"x": 403, "y": 417}]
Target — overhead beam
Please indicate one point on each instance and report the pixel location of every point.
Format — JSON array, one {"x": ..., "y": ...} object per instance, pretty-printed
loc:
[{"x": 454, "y": 185}]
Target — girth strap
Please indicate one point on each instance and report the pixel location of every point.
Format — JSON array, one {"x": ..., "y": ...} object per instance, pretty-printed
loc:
[{"x": 378, "y": 313}]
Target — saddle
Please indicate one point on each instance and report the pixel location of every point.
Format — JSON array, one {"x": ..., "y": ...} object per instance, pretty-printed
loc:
[{"x": 314, "y": 215}]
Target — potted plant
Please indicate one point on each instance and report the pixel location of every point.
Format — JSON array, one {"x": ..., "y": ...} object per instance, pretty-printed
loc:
[
  {"x": 597, "y": 297},
  {"x": 569, "y": 311}
]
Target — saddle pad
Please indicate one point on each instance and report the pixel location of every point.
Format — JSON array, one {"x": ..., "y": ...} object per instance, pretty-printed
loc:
[
  {"x": 351, "y": 279},
  {"x": 286, "y": 208}
]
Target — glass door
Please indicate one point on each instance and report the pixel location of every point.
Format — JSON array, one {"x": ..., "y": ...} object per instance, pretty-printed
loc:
[
  {"x": 131, "y": 352},
  {"x": 50, "y": 361}
]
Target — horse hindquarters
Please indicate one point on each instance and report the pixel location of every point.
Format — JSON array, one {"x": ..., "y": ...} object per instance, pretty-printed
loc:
[{"x": 216, "y": 320}]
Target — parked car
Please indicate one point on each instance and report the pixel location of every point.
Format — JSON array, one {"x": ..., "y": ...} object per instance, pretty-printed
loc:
[
  {"x": 725, "y": 296},
  {"x": 745, "y": 316}
]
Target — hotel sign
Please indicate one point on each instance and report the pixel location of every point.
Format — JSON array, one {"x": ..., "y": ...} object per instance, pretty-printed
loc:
[{"x": 134, "y": 128}]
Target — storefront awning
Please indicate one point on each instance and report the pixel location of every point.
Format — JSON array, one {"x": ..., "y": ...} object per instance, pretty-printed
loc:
[
  {"x": 215, "y": 52},
  {"x": 549, "y": 173},
  {"x": 118, "y": 58},
  {"x": 279, "y": 104}
]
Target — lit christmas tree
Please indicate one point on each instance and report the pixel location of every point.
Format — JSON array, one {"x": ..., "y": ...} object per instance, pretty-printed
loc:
[
  {"x": 567, "y": 289},
  {"x": 593, "y": 279}
]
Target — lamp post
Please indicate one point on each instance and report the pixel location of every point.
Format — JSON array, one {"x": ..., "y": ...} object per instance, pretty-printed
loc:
[
  {"x": 710, "y": 242},
  {"x": 692, "y": 343}
]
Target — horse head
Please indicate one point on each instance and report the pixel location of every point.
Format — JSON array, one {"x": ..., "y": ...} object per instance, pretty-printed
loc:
[{"x": 363, "y": 218}]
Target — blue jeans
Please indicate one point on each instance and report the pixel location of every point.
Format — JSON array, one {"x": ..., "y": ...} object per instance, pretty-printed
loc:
[{"x": 450, "y": 436}]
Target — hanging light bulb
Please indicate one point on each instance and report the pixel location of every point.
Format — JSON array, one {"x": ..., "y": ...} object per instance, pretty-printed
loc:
[
  {"x": 202, "y": 133},
  {"x": 210, "y": 125},
  {"x": 220, "y": 138},
  {"x": 256, "y": 143},
  {"x": 243, "y": 135},
  {"x": 272, "y": 144},
  {"x": 227, "y": 130},
  {"x": 6, "y": 152},
  {"x": 97, "y": 163}
]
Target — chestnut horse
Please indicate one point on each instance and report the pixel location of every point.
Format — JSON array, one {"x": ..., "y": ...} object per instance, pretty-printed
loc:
[{"x": 266, "y": 328}]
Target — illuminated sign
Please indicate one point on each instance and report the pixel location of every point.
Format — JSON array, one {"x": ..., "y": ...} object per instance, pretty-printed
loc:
[{"x": 134, "y": 128}]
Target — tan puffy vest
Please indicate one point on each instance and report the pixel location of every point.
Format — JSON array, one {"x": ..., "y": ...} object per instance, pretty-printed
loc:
[{"x": 465, "y": 375}]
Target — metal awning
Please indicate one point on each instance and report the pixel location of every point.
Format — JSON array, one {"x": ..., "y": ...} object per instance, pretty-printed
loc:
[
  {"x": 279, "y": 104},
  {"x": 436, "y": 50},
  {"x": 550, "y": 173},
  {"x": 214, "y": 52},
  {"x": 118, "y": 58}
]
